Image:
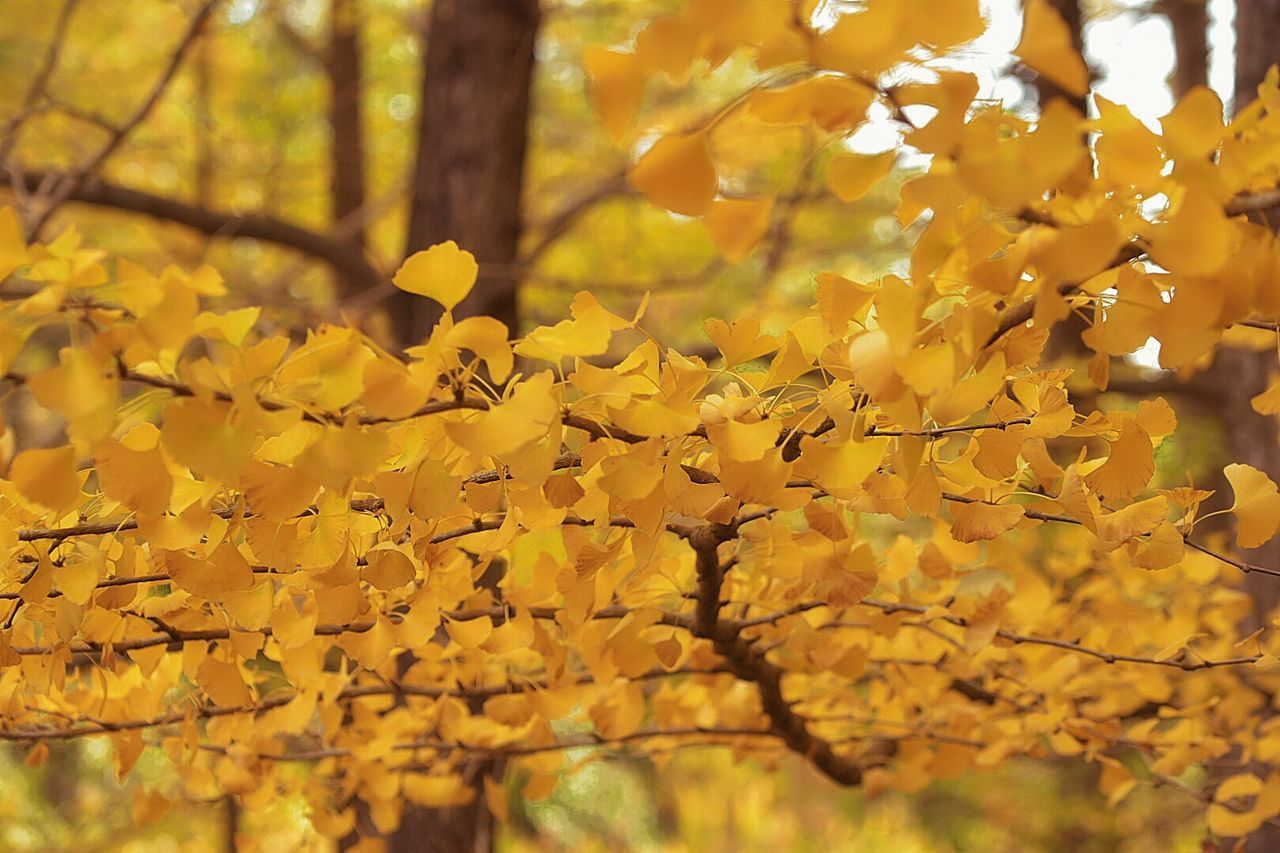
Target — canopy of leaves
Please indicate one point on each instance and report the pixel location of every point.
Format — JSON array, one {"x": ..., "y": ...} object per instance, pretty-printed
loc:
[{"x": 883, "y": 538}]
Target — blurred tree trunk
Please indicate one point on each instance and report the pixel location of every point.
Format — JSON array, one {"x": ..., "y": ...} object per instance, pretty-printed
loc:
[
  {"x": 343, "y": 63},
  {"x": 472, "y": 125},
  {"x": 1190, "y": 22},
  {"x": 1254, "y": 438},
  {"x": 203, "y": 72},
  {"x": 473, "y": 112}
]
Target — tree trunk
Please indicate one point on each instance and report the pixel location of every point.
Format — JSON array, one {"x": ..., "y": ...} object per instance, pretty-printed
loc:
[
  {"x": 472, "y": 124},
  {"x": 1190, "y": 22},
  {"x": 1254, "y": 438},
  {"x": 468, "y": 176},
  {"x": 343, "y": 65}
]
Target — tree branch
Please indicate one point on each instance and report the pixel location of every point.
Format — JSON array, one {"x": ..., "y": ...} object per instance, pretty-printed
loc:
[
  {"x": 344, "y": 258},
  {"x": 72, "y": 182}
]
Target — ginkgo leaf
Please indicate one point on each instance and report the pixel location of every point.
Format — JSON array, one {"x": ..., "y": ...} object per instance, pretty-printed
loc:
[
  {"x": 388, "y": 567},
  {"x": 677, "y": 173},
  {"x": 443, "y": 272},
  {"x": 222, "y": 682},
  {"x": 851, "y": 176},
  {"x": 617, "y": 86},
  {"x": 1256, "y": 505},
  {"x": 137, "y": 478},
  {"x": 974, "y": 522},
  {"x": 1129, "y": 466},
  {"x": 487, "y": 338},
  {"x": 13, "y": 248},
  {"x": 436, "y": 792},
  {"x": 225, "y": 570},
  {"x": 1046, "y": 47},
  {"x": 740, "y": 342},
  {"x": 1197, "y": 240},
  {"x": 737, "y": 224},
  {"x": 47, "y": 476}
]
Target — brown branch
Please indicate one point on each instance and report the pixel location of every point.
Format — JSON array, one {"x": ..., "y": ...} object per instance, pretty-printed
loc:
[
  {"x": 343, "y": 257},
  {"x": 564, "y": 220},
  {"x": 750, "y": 663},
  {"x": 39, "y": 83}
]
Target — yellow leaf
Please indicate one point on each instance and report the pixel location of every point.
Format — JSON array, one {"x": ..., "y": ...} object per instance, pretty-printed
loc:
[
  {"x": 741, "y": 342},
  {"x": 48, "y": 477},
  {"x": 667, "y": 46},
  {"x": 487, "y": 338},
  {"x": 744, "y": 442},
  {"x": 954, "y": 404},
  {"x": 1194, "y": 128},
  {"x": 471, "y": 633},
  {"x": 850, "y": 176},
  {"x": 391, "y": 390},
  {"x": 222, "y": 683},
  {"x": 973, "y": 522},
  {"x": 677, "y": 173},
  {"x": 736, "y": 225},
  {"x": 1046, "y": 47},
  {"x": 513, "y": 424},
  {"x": 83, "y": 391},
  {"x": 277, "y": 492},
  {"x": 1233, "y": 824},
  {"x": 1197, "y": 239},
  {"x": 930, "y": 369},
  {"x": 388, "y": 567},
  {"x": 840, "y": 468},
  {"x": 1128, "y": 153},
  {"x": 138, "y": 479},
  {"x": 251, "y": 608},
  {"x": 78, "y": 580},
  {"x": 1128, "y": 468},
  {"x": 944, "y": 23},
  {"x": 372, "y": 647},
  {"x": 443, "y": 272},
  {"x": 1165, "y": 548},
  {"x": 1133, "y": 520},
  {"x": 1256, "y": 506},
  {"x": 200, "y": 435},
  {"x": 225, "y": 570},
  {"x": 13, "y": 248},
  {"x": 868, "y": 42},
  {"x": 616, "y": 82},
  {"x": 436, "y": 791}
]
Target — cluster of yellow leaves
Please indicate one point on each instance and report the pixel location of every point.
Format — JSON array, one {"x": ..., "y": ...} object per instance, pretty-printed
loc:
[{"x": 882, "y": 537}]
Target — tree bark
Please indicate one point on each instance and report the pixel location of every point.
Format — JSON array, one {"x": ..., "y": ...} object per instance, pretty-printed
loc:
[
  {"x": 1253, "y": 438},
  {"x": 468, "y": 178},
  {"x": 472, "y": 125},
  {"x": 1190, "y": 22},
  {"x": 343, "y": 65}
]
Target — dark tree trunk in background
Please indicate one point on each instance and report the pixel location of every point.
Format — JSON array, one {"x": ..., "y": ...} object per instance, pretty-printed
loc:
[
  {"x": 1190, "y": 22},
  {"x": 473, "y": 115},
  {"x": 472, "y": 121},
  {"x": 1254, "y": 438},
  {"x": 1073, "y": 13},
  {"x": 343, "y": 64}
]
